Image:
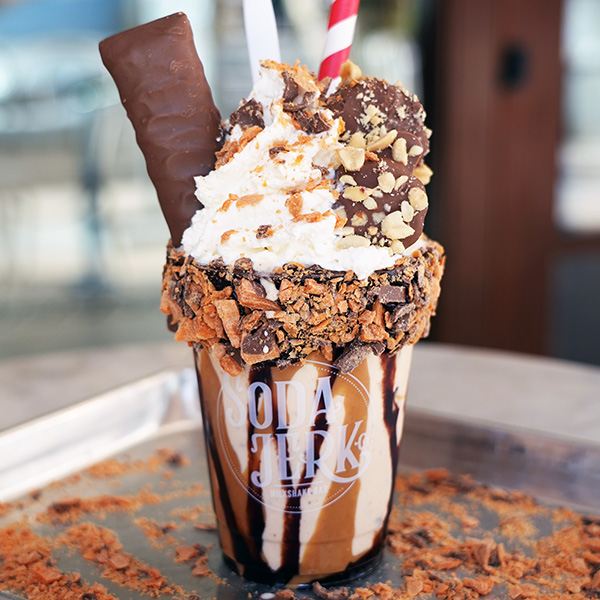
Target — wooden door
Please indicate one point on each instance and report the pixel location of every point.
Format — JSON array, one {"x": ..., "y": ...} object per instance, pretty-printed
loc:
[{"x": 496, "y": 125}]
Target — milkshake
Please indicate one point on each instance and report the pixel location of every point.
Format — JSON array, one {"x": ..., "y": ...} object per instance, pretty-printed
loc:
[
  {"x": 302, "y": 280},
  {"x": 302, "y": 464}
]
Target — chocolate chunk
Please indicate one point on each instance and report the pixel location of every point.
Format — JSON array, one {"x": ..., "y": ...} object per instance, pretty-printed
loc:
[
  {"x": 402, "y": 317},
  {"x": 377, "y": 348},
  {"x": 352, "y": 356},
  {"x": 303, "y": 120},
  {"x": 290, "y": 90},
  {"x": 275, "y": 150},
  {"x": 318, "y": 123},
  {"x": 324, "y": 170},
  {"x": 398, "y": 110},
  {"x": 243, "y": 265},
  {"x": 260, "y": 345},
  {"x": 300, "y": 104},
  {"x": 311, "y": 123},
  {"x": 163, "y": 88},
  {"x": 89, "y": 596},
  {"x": 392, "y": 293},
  {"x": 414, "y": 537},
  {"x": 252, "y": 294},
  {"x": 171, "y": 325},
  {"x": 175, "y": 460},
  {"x": 249, "y": 114}
]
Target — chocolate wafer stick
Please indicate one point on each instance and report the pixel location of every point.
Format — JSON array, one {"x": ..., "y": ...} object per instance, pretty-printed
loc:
[{"x": 163, "y": 88}]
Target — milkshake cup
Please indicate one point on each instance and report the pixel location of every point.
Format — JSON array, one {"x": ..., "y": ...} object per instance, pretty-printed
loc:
[
  {"x": 302, "y": 454},
  {"x": 302, "y": 462},
  {"x": 299, "y": 273}
]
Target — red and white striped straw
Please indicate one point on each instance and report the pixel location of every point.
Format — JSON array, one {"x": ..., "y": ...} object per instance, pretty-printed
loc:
[{"x": 340, "y": 31}]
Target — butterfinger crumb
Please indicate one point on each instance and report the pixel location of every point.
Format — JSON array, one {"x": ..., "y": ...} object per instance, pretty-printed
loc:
[
  {"x": 26, "y": 566},
  {"x": 442, "y": 538},
  {"x": 102, "y": 546},
  {"x": 225, "y": 309},
  {"x": 335, "y": 594}
]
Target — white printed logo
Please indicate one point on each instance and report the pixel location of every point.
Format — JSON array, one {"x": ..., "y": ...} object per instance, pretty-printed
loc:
[{"x": 298, "y": 437}]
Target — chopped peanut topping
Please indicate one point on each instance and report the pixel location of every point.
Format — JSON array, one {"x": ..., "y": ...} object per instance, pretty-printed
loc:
[
  {"x": 418, "y": 198},
  {"x": 400, "y": 182},
  {"x": 350, "y": 72},
  {"x": 397, "y": 247},
  {"x": 399, "y": 152},
  {"x": 356, "y": 194},
  {"x": 394, "y": 227},
  {"x": 348, "y": 180},
  {"x": 424, "y": 173},
  {"x": 353, "y": 241},
  {"x": 408, "y": 212},
  {"x": 383, "y": 142},
  {"x": 358, "y": 140},
  {"x": 386, "y": 182},
  {"x": 370, "y": 203},
  {"x": 358, "y": 219},
  {"x": 352, "y": 158}
]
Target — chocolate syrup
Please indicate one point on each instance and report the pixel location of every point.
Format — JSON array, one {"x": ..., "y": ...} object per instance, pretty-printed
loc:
[
  {"x": 290, "y": 558},
  {"x": 254, "y": 509},
  {"x": 390, "y": 412},
  {"x": 240, "y": 548},
  {"x": 251, "y": 486}
]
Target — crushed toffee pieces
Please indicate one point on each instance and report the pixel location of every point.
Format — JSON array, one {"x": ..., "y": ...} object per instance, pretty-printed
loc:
[
  {"x": 226, "y": 309},
  {"x": 436, "y": 532}
]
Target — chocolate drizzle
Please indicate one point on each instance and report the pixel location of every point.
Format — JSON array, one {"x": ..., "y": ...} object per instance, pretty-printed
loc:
[
  {"x": 290, "y": 551},
  {"x": 390, "y": 415},
  {"x": 230, "y": 524},
  {"x": 163, "y": 88},
  {"x": 252, "y": 528},
  {"x": 254, "y": 509}
]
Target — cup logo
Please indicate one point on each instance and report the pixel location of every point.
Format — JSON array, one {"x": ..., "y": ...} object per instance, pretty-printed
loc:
[{"x": 299, "y": 442}]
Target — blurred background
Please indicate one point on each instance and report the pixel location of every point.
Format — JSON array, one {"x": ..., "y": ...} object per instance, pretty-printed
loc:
[{"x": 512, "y": 91}]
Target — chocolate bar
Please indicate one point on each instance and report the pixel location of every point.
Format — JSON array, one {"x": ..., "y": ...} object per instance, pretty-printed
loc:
[{"x": 163, "y": 88}]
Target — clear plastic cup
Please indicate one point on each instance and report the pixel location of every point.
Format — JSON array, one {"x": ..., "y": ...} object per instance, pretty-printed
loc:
[{"x": 302, "y": 463}]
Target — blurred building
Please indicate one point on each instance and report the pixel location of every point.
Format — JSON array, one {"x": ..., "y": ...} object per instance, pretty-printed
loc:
[{"x": 511, "y": 89}]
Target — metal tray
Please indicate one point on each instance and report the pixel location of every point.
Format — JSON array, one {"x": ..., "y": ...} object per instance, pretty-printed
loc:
[{"x": 163, "y": 412}]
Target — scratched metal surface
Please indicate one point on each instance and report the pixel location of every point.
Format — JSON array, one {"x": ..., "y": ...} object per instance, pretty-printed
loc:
[{"x": 134, "y": 422}]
